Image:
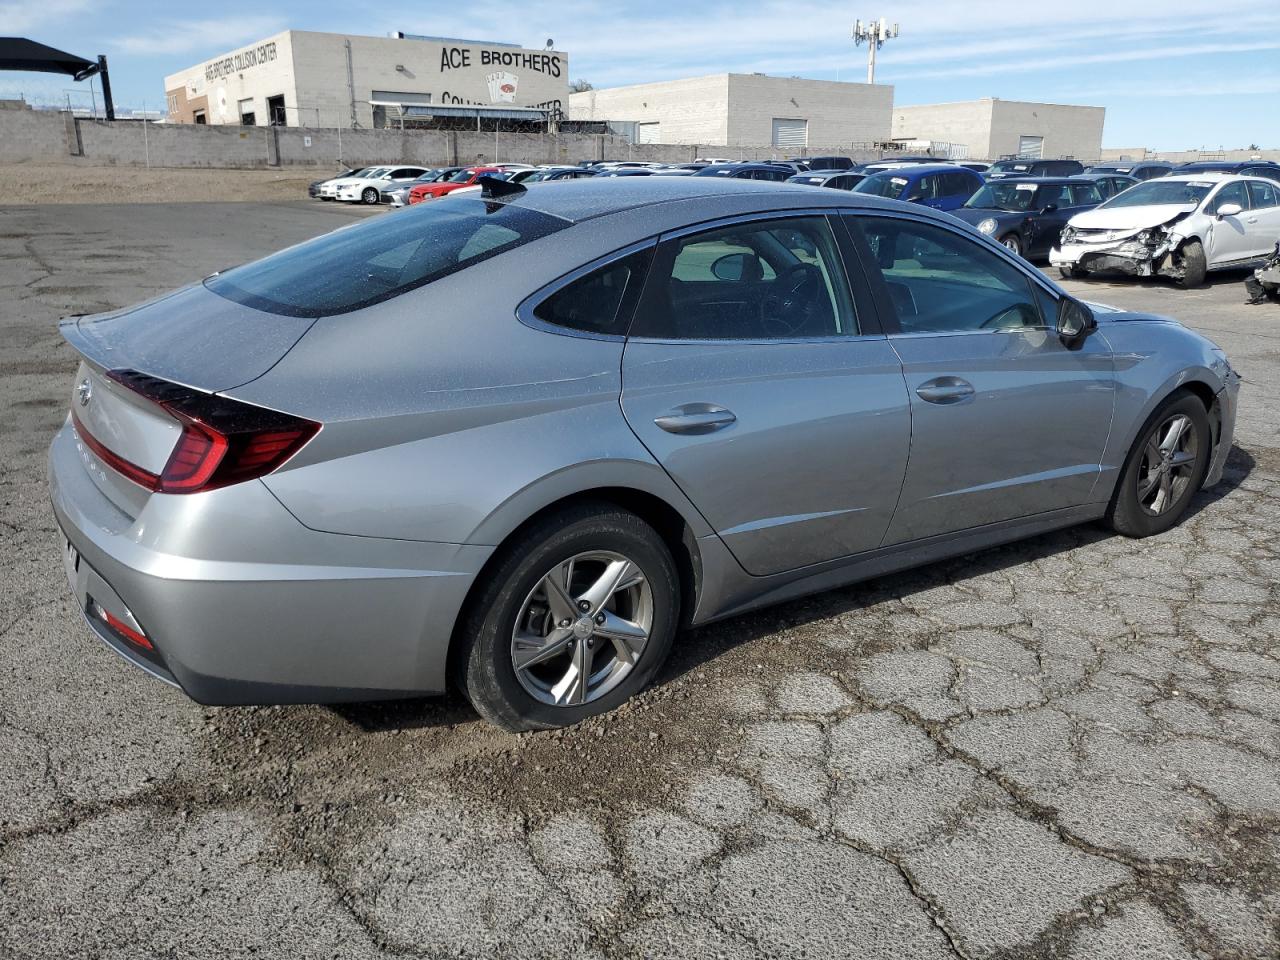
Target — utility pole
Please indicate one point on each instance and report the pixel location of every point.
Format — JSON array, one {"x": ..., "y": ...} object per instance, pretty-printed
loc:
[{"x": 874, "y": 33}]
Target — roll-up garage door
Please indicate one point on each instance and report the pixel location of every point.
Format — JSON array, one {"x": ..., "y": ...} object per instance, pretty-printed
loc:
[
  {"x": 647, "y": 132},
  {"x": 1030, "y": 148},
  {"x": 790, "y": 132}
]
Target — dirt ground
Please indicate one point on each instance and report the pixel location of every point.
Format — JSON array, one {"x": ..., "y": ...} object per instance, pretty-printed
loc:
[
  {"x": 1067, "y": 747},
  {"x": 82, "y": 183}
]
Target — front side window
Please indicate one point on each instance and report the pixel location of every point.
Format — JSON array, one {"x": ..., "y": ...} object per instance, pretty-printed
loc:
[
  {"x": 1237, "y": 193},
  {"x": 774, "y": 279},
  {"x": 379, "y": 259},
  {"x": 600, "y": 302},
  {"x": 941, "y": 282},
  {"x": 1052, "y": 193},
  {"x": 1084, "y": 194}
]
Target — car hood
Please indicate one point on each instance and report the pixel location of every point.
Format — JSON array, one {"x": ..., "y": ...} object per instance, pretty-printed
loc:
[
  {"x": 1129, "y": 218},
  {"x": 1106, "y": 313},
  {"x": 190, "y": 336}
]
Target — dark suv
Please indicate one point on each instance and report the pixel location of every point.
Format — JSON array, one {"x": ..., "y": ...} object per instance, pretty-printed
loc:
[
  {"x": 1034, "y": 168},
  {"x": 826, "y": 163},
  {"x": 1248, "y": 168},
  {"x": 1138, "y": 169}
]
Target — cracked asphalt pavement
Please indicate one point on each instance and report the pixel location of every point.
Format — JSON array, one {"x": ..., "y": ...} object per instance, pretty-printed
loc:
[{"x": 1068, "y": 747}]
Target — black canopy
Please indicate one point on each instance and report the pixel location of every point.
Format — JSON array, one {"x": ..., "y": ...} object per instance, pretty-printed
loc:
[{"x": 19, "y": 53}]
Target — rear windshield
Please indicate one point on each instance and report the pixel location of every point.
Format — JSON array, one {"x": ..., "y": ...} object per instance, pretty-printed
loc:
[
  {"x": 382, "y": 258},
  {"x": 1011, "y": 166}
]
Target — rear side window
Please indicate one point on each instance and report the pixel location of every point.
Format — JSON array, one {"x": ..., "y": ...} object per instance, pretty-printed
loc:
[
  {"x": 376, "y": 260},
  {"x": 600, "y": 302},
  {"x": 1263, "y": 195}
]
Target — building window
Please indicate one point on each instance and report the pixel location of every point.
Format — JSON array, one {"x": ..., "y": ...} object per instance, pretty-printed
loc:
[
  {"x": 1030, "y": 148},
  {"x": 247, "y": 115},
  {"x": 790, "y": 132},
  {"x": 648, "y": 133}
]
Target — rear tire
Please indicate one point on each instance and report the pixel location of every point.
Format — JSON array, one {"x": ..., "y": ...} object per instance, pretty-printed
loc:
[
  {"x": 1159, "y": 478},
  {"x": 1194, "y": 265},
  {"x": 515, "y": 615}
]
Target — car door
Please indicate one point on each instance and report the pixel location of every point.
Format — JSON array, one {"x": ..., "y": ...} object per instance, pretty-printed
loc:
[
  {"x": 1263, "y": 221},
  {"x": 1006, "y": 422},
  {"x": 1229, "y": 237},
  {"x": 1050, "y": 211},
  {"x": 759, "y": 380}
]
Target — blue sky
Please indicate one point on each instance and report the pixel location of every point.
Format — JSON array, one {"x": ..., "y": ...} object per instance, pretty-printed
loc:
[{"x": 1172, "y": 75}]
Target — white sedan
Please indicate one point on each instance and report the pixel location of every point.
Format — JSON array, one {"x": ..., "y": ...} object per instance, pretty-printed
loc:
[
  {"x": 1178, "y": 227},
  {"x": 367, "y": 189}
]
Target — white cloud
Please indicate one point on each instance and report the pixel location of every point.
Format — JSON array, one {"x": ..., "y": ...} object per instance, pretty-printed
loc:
[
  {"x": 204, "y": 37},
  {"x": 25, "y": 17}
]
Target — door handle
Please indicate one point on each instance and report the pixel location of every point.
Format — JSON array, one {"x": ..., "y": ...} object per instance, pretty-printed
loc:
[
  {"x": 695, "y": 418},
  {"x": 1251, "y": 220},
  {"x": 945, "y": 390}
]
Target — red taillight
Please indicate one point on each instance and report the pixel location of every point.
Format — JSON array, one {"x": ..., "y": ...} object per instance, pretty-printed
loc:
[
  {"x": 223, "y": 441},
  {"x": 126, "y": 631}
]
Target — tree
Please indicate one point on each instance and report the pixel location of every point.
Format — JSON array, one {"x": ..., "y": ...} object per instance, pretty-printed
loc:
[{"x": 580, "y": 86}]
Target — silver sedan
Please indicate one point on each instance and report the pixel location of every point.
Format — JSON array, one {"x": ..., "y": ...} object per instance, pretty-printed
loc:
[{"x": 517, "y": 441}]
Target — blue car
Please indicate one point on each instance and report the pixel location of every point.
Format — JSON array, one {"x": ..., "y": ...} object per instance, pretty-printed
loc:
[{"x": 943, "y": 186}]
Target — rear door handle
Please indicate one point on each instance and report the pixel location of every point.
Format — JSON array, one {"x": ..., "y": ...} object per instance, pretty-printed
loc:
[
  {"x": 945, "y": 390},
  {"x": 695, "y": 418}
]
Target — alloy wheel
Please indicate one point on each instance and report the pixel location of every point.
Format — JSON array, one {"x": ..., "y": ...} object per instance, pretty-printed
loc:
[
  {"x": 1168, "y": 461},
  {"x": 582, "y": 629}
]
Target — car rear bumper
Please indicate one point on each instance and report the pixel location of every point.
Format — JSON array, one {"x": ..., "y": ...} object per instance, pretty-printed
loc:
[
  {"x": 244, "y": 605},
  {"x": 1224, "y": 406}
]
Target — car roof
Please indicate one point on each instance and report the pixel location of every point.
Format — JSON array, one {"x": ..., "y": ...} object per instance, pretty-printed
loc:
[
  {"x": 924, "y": 168},
  {"x": 762, "y": 165},
  {"x": 1209, "y": 165},
  {"x": 1099, "y": 174},
  {"x": 591, "y": 198}
]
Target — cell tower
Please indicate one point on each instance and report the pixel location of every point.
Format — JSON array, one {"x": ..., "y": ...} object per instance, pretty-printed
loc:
[{"x": 874, "y": 33}]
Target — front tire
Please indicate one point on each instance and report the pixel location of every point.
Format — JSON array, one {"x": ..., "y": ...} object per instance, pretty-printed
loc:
[
  {"x": 1194, "y": 265},
  {"x": 575, "y": 618},
  {"x": 1164, "y": 469},
  {"x": 1071, "y": 272},
  {"x": 370, "y": 195},
  {"x": 1013, "y": 243}
]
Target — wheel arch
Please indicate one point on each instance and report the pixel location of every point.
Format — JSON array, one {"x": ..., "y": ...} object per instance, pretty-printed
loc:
[{"x": 678, "y": 533}]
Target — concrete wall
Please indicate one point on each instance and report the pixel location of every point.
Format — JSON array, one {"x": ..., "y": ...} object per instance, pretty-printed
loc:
[
  {"x": 687, "y": 111},
  {"x": 731, "y": 109},
  {"x": 991, "y": 127},
  {"x": 837, "y": 113},
  {"x": 33, "y": 135},
  {"x": 966, "y": 123},
  {"x": 1068, "y": 130}
]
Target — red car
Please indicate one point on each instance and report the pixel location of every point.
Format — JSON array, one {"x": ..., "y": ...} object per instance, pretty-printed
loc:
[{"x": 463, "y": 178}]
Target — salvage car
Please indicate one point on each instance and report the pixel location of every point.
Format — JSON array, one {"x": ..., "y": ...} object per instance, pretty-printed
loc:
[
  {"x": 746, "y": 171},
  {"x": 1248, "y": 168},
  {"x": 1033, "y": 168},
  {"x": 397, "y": 194},
  {"x": 313, "y": 188},
  {"x": 1179, "y": 227},
  {"x": 1138, "y": 169},
  {"x": 464, "y": 179},
  {"x": 329, "y": 189},
  {"x": 368, "y": 188},
  {"x": 1026, "y": 215},
  {"x": 518, "y": 440},
  {"x": 1109, "y": 184},
  {"x": 1265, "y": 280},
  {"x": 835, "y": 179},
  {"x": 943, "y": 186}
]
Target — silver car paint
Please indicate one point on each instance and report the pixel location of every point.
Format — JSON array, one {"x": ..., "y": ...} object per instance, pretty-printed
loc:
[{"x": 448, "y": 423}]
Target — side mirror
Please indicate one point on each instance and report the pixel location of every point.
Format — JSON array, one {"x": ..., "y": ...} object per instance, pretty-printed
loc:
[
  {"x": 1049, "y": 208},
  {"x": 1229, "y": 210},
  {"x": 1075, "y": 322},
  {"x": 732, "y": 266}
]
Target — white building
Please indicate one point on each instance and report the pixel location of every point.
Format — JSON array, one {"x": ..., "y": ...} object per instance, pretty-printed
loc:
[
  {"x": 302, "y": 78},
  {"x": 993, "y": 128},
  {"x": 750, "y": 110}
]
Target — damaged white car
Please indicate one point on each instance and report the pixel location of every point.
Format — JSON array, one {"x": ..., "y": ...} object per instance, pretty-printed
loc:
[{"x": 1177, "y": 227}]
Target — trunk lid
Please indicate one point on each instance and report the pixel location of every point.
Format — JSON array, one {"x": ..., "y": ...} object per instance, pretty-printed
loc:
[{"x": 190, "y": 336}]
